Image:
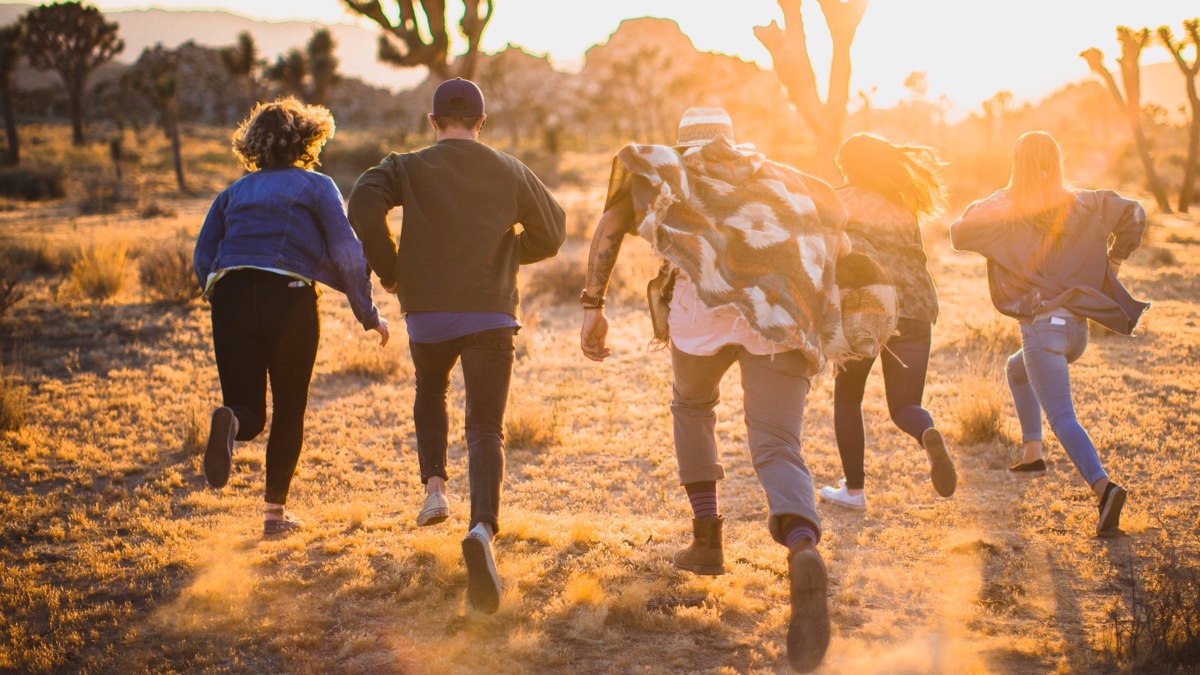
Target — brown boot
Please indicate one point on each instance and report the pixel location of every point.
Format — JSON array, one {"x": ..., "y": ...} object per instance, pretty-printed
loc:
[{"x": 705, "y": 555}]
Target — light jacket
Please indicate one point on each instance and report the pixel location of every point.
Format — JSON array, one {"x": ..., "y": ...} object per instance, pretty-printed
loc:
[
  {"x": 1031, "y": 272},
  {"x": 291, "y": 220}
]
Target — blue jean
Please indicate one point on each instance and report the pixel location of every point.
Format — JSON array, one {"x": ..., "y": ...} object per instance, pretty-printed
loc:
[
  {"x": 1039, "y": 379},
  {"x": 487, "y": 360},
  {"x": 775, "y": 388}
]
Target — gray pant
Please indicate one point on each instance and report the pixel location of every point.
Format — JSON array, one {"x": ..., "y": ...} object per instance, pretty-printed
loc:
[{"x": 774, "y": 390}]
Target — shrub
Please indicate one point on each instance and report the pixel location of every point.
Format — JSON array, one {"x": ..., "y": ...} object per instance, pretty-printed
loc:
[
  {"x": 194, "y": 430},
  {"x": 365, "y": 358},
  {"x": 1157, "y": 626},
  {"x": 982, "y": 408},
  {"x": 99, "y": 273},
  {"x": 14, "y": 402},
  {"x": 12, "y": 273},
  {"x": 529, "y": 424},
  {"x": 166, "y": 274},
  {"x": 99, "y": 196},
  {"x": 997, "y": 338},
  {"x": 32, "y": 184},
  {"x": 39, "y": 257}
]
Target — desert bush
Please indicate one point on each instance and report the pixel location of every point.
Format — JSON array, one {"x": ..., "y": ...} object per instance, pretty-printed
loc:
[
  {"x": 99, "y": 273},
  {"x": 14, "y": 402},
  {"x": 193, "y": 432},
  {"x": 39, "y": 256},
  {"x": 166, "y": 274},
  {"x": 12, "y": 291},
  {"x": 1156, "y": 627},
  {"x": 99, "y": 195},
  {"x": 529, "y": 424},
  {"x": 996, "y": 338},
  {"x": 365, "y": 358},
  {"x": 982, "y": 407},
  {"x": 32, "y": 184}
]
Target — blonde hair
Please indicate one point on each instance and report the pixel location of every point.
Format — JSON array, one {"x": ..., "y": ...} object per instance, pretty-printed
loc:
[
  {"x": 283, "y": 133},
  {"x": 909, "y": 175},
  {"x": 1036, "y": 186}
]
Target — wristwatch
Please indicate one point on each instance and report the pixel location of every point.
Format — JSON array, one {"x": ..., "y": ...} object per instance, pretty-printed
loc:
[{"x": 590, "y": 301}]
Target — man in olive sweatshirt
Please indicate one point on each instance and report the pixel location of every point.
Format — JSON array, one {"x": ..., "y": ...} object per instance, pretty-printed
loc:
[{"x": 454, "y": 270}]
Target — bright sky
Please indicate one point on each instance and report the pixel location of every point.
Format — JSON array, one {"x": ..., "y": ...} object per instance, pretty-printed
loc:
[{"x": 969, "y": 49}]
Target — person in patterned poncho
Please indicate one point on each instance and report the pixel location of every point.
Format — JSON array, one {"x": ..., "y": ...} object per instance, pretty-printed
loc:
[
  {"x": 749, "y": 247},
  {"x": 888, "y": 189}
]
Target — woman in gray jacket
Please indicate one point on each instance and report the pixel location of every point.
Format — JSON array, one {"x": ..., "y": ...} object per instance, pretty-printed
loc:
[{"x": 1053, "y": 253}]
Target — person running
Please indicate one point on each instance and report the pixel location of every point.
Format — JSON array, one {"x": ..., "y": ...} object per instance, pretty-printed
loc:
[
  {"x": 749, "y": 247},
  {"x": 455, "y": 272},
  {"x": 1053, "y": 253},
  {"x": 889, "y": 189},
  {"x": 267, "y": 241}
]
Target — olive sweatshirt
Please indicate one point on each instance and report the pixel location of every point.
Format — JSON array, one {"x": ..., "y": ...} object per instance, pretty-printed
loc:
[{"x": 458, "y": 248}]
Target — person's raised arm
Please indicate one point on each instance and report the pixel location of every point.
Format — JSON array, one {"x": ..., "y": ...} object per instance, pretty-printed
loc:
[
  {"x": 602, "y": 258},
  {"x": 374, "y": 195}
]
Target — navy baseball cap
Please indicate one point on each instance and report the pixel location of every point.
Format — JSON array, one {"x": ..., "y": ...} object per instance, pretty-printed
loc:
[{"x": 458, "y": 98}]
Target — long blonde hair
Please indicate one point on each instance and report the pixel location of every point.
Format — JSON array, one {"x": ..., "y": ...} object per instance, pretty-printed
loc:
[
  {"x": 908, "y": 175},
  {"x": 1036, "y": 186}
]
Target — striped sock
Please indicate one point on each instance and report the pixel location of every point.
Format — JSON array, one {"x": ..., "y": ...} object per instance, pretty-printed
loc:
[
  {"x": 799, "y": 530},
  {"x": 703, "y": 497}
]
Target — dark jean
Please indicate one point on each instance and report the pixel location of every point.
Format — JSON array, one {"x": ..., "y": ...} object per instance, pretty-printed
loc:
[
  {"x": 905, "y": 360},
  {"x": 264, "y": 328},
  {"x": 1039, "y": 378},
  {"x": 487, "y": 361}
]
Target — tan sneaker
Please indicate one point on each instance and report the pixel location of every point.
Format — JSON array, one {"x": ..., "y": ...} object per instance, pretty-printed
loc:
[
  {"x": 941, "y": 466},
  {"x": 435, "y": 510},
  {"x": 808, "y": 628}
]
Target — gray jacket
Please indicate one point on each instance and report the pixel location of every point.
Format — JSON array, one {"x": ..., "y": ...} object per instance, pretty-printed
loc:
[{"x": 1030, "y": 272}]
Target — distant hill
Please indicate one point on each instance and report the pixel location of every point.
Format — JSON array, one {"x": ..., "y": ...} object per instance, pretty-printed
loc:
[{"x": 141, "y": 28}]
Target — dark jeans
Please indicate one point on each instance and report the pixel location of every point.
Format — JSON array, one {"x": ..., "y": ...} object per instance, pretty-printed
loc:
[
  {"x": 263, "y": 328},
  {"x": 905, "y": 360},
  {"x": 487, "y": 360}
]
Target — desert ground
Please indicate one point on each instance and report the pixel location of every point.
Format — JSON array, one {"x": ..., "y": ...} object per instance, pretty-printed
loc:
[{"x": 116, "y": 557}]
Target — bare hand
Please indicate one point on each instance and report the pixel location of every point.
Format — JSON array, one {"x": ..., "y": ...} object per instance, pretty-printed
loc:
[
  {"x": 593, "y": 335},
  {"x": 384, "y": 333}
]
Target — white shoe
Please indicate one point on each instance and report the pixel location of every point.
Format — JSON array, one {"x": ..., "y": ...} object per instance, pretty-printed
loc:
[
  {"x": 483, "y": 584},
  {"x": 842, "y": 497},
  {"x": 435, "y": 510}
]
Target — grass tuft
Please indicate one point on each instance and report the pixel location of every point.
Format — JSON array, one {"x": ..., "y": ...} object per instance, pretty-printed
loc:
[
  {"x": 14, "y": 402},
  {"x": 981, "y": 409},
  {"x": 166, "y": 274},
  {"x": 99, "y": 273}
]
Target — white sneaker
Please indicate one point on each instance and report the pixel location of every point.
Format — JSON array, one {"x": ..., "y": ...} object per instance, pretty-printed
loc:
[
  {"x": 483, "y": 584},
  {"x": 842, "y": 497},
  {"x": 435, "y": 510}
]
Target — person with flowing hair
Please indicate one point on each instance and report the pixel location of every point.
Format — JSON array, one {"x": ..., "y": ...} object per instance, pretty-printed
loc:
[
  {"x": 889, "y": 190},
  {"x": 267, "y": 241},
  {"x": 1053, "y": 254}
]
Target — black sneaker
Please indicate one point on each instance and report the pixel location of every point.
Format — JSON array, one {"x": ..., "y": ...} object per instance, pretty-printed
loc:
[
  {"x": 218, "y": 455},
  {"x": 941, "y": 466},
  {"x": 1110, "y": 509},
  {"x": 1028, "y": 469},
  {"x": 808, "y": 628},
  {"x": 483, "y": 584}
]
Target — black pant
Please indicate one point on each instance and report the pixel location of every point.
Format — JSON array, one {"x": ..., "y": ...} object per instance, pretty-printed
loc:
[
  {"x": 487, "y": 360},
  {"x": 905, "y": 360},
  {"x": 263, "y": 327}
]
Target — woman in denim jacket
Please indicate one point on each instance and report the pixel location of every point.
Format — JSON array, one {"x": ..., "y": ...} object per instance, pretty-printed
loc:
[
  {"x": 1053, "y": 254},
  {"x": 268, "y": 239}
]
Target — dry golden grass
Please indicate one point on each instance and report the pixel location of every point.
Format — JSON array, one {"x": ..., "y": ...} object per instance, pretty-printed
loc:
[
  {"x": 117, "y": 558},
  {"x": 100, "y": 271}
]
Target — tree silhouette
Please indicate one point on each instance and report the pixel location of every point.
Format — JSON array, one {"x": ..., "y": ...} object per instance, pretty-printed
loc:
[
  {"x": 1192, "y": 28},
  {"x": 308, "y": 74},
  {"x": 402, "y": 43},
  {"x": 72, "y": 39},
  {"x": 788, "y": 46},
  {"x": 1132, "y": 43},
  {"x": 156, "y": 77},
  {"x": 242, "y": 63},
  {"x": 10, "y": 53}
]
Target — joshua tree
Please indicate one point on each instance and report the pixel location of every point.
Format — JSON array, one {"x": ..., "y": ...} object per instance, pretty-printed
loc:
[
  {"x": 156, "y": 76},
  {"x": 402, "y": 43},
  {"x": 788, "y": 46},
  {"x": 241, "y": 61},
  {"x": 72, "y": 39},
  {"x": 1132, "y": 43},
  {"x": 308, "y": 74},
  {"x": 1192, "y": 28},
  {"x": 10, "y": 53}
]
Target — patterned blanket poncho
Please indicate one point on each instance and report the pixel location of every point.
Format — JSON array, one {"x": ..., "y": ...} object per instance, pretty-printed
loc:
[{"x": 748, "y": 232}]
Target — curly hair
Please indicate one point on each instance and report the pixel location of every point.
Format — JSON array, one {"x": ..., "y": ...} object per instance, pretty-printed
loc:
[
  {"x": 282, "y": 133},
  {"x": 909, "y": 175}
]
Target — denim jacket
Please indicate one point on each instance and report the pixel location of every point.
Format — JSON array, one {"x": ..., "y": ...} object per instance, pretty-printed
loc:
[{"x": 291, "y": 220}]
